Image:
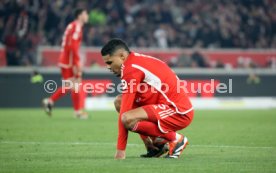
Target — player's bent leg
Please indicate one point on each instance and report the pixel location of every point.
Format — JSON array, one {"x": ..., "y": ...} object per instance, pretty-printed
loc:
[
  {"x": 130, "y": 118},
  {"x": 154, "y": 149},
  {"x": 137, "y": 120},
  {"x": 169, "y": 120},
  {"x": 117, "y": 102}
]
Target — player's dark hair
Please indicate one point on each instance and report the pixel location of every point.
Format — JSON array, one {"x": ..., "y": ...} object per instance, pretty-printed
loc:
[
  {"x": 112, "y": 45},
  {"x": 78, "y": 11}
]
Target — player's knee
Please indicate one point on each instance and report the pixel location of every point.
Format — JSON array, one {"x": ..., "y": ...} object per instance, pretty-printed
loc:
[
  {"x": 127, "y": 121},
  {"x": 117, "y": 103}
]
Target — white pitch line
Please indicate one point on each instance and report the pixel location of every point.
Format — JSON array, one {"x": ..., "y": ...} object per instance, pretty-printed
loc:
[
  {"x": 113, "y": 144},
  {"x": 230, "y": 146},
  {"x": 56, "y": 143}
]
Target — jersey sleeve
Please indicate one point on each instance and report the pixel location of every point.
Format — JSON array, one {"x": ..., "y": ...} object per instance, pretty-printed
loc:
[{"x": 130, "y": 83}]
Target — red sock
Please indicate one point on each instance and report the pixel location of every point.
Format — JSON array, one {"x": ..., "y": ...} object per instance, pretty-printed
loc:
[
  {"x": 151, "y": 129},
  {"x": 82, "y": 97},
  {"x": 75, "y": 100},
  {"x": 58, "y": 94}
]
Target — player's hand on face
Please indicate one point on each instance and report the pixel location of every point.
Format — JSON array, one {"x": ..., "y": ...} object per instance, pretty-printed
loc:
[{"x": 120, "y": 154}]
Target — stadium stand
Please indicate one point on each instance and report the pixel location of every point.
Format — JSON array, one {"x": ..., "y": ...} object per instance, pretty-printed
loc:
[{"x": 27, "y": 24}]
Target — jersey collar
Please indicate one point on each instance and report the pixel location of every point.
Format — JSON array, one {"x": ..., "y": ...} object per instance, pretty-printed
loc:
[{"x": 126, "y": 62}]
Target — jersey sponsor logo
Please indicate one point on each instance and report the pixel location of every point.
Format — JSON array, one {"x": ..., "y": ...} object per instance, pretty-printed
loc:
[{"x": 162, "y": 106}]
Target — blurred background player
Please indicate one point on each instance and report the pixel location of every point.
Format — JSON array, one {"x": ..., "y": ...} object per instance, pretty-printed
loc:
[{"x": 70, "y": 65}]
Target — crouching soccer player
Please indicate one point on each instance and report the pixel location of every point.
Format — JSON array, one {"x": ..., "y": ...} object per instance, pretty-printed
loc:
[{"x": 152, "y": 104}]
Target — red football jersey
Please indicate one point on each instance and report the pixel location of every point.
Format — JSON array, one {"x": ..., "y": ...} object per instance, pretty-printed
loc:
[
  {"x": 147, "y": 80},
  {"x": 71, "y": 41}
]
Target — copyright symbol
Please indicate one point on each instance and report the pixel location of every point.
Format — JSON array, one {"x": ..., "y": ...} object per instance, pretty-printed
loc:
[{"x": 50, "y": 86}]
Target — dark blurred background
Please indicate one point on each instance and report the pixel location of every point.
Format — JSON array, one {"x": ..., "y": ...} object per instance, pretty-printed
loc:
[
  {"x": 200, "y": 40},
  {"x": 27, "y": 24}
]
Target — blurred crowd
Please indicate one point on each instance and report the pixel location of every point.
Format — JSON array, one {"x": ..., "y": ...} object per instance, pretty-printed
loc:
[
  {"x": 26, "y": 24},
  {"x": 197, "y": 60}
]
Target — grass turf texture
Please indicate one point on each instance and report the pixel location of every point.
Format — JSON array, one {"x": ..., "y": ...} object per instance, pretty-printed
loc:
[{"x": 220, "y": 141}]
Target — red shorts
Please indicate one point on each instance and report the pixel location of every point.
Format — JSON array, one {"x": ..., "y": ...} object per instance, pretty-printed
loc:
[
  {"x": 167, "y": 118},
  {"x": 67, "y": 73}
]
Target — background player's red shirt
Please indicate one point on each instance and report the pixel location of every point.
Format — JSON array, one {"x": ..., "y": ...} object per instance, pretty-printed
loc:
[
  {"x": 70, "y": 46},
  {"x": 161, "y": 82}
]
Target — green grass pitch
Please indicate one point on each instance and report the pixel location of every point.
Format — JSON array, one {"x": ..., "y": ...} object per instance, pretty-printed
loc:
[{"x": 220, "y": 141}]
